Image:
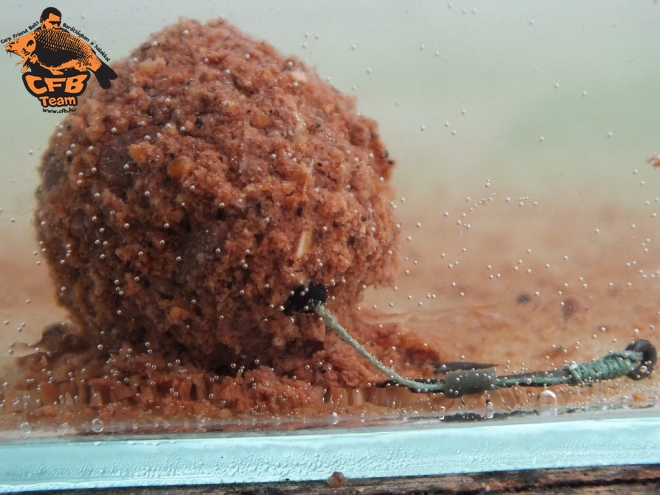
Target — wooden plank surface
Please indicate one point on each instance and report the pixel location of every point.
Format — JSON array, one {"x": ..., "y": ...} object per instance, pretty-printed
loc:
[{"x": 631, "y": 480}]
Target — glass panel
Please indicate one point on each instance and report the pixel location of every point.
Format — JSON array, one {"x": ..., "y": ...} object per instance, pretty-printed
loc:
[
  {"x": 178, "y": 209},
  {"x": 373, "y": 452}
]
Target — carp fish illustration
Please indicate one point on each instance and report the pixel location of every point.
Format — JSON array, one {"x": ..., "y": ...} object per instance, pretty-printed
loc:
[{"x": 57, "y": 50}]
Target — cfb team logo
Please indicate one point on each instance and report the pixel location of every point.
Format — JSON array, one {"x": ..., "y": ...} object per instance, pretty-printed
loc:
[{"x": 56, "y": 63}]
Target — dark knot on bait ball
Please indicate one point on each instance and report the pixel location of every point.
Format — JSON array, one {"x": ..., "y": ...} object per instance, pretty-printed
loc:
[{"x": 306, "y": 299}]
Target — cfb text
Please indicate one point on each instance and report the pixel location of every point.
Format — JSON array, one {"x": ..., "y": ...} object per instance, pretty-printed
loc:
[{"x": 56, "y": 91}]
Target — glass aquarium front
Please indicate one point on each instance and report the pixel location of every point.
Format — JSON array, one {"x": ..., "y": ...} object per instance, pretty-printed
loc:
[{"x": 228, "y": 224}]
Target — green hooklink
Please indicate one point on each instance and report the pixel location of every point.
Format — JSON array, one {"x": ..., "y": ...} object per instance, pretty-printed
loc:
[{"x": 636, "y": 361}]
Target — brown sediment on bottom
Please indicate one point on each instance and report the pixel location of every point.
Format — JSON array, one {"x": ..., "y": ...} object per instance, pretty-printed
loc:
[{"x": 69, "y": 379}]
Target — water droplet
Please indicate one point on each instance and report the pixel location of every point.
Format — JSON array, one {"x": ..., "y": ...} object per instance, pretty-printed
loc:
[
  {"x": 547, "y": 402},
  {"x": 25, "y": 428},
  {"x": 97, "y": 425},
  {"x": 490, "y": 410}
]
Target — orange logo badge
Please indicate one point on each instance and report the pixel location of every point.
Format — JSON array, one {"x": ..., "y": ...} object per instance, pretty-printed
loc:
[{"x": 57, "y": 63}]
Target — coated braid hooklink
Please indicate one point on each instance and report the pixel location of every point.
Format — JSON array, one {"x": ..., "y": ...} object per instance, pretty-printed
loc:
[{"x": 636, "y": 361}]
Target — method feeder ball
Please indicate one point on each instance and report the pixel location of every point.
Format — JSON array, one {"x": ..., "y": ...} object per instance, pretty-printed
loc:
[{"x": 181, "y": 207}]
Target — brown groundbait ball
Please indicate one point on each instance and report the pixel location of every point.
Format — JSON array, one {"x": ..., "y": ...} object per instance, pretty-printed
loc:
[{"x": 181, "y": 206}]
